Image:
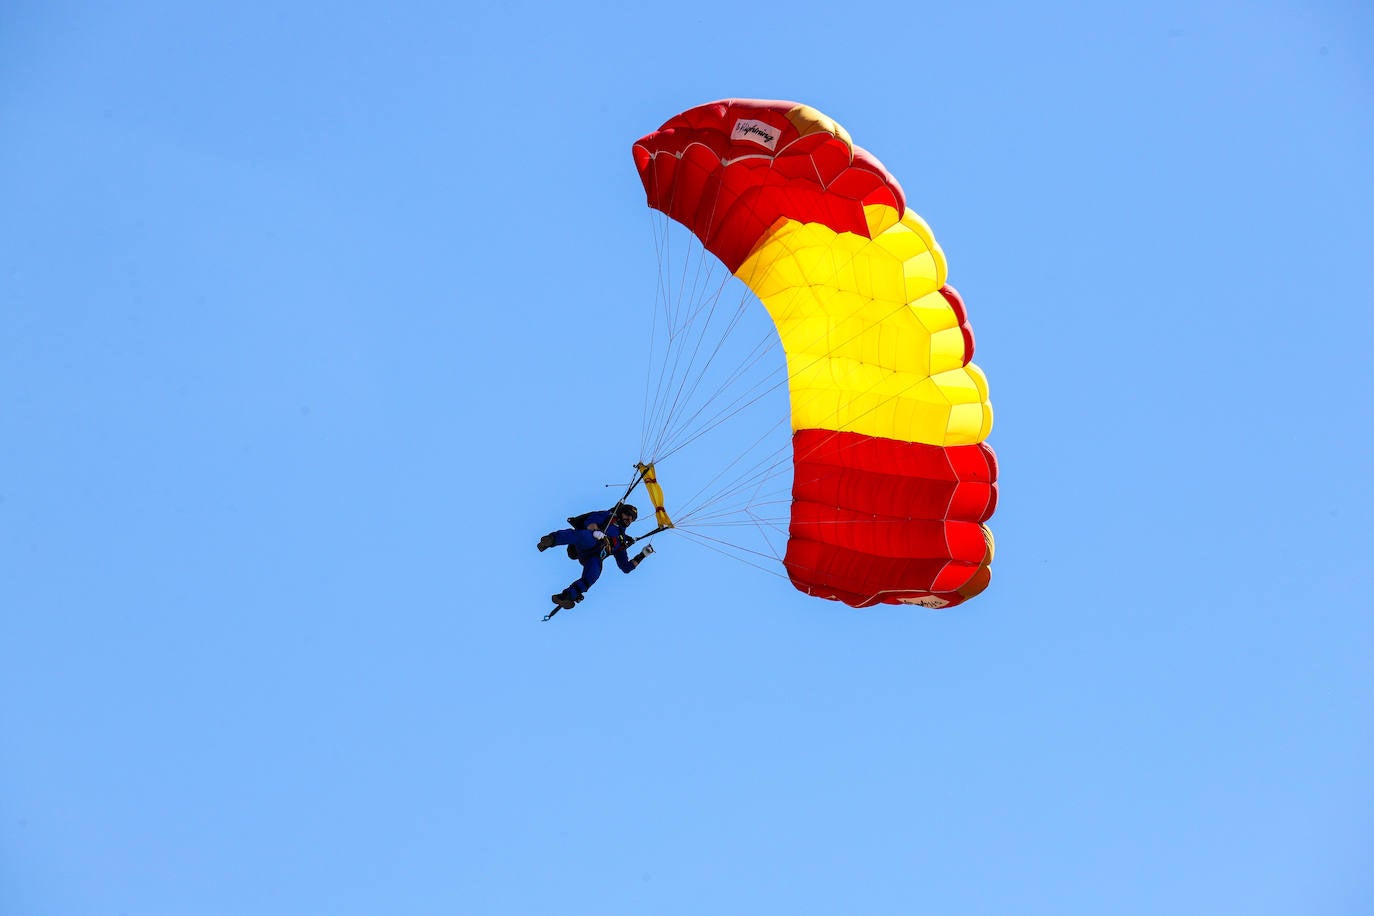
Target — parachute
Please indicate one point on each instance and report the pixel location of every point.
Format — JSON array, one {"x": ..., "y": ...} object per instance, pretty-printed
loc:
[{"x": 891, "y": 477}]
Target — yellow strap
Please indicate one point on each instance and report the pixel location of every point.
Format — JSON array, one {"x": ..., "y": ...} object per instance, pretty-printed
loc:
[{"x": 655, "y": 494}]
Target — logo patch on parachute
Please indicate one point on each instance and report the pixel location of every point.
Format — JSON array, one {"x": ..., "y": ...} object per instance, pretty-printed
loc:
[
  {"x": 929, "y": 601},
  {"x": 756, "y": 131}
]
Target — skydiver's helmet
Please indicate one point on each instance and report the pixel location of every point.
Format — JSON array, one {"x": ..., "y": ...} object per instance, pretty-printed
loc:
[{"x": 626, "y": 515}]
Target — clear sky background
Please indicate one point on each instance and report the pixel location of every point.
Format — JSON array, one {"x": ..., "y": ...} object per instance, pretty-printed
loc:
[{"x": 303, "y": 321}]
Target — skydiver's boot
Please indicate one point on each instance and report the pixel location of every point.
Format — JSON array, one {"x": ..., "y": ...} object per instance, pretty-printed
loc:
[
  {"x": 545, "y": 542},
  {"x": 566, "y": 599}
]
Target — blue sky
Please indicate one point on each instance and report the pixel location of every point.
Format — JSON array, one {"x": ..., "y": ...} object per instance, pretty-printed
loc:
[{"x": 303, "y": 324}]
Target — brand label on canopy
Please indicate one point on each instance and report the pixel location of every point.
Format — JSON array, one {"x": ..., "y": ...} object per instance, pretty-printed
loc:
[{"x": 756, "y": 131}]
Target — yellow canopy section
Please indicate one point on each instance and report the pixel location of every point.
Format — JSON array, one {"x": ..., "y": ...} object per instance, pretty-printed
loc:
[{"x": 872, "y": 346}]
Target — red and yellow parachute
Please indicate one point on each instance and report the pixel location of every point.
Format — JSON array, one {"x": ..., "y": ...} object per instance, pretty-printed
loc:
[{"x": 891, "y": 477}]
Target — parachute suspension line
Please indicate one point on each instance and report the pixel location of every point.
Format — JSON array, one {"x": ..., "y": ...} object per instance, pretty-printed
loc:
[
  {"x": 687, "y": 432},
  {"x": 672, "y": 305},
  {"x": 669, "y": 303},
  {"x": 686, "y": 394},
  {"x": 725, "y": 548},
  {"x": 745, "y": 497},
  {"x": 722, "y": 510},
  {"x": 673, "y": 350},
  {"x": 683, "y": 372},
  {"x": 667, "y": 410},
  {"x": 768, "y": 527},
  {"x": 771, "y": 463},
  {"x": 679, "y": 420},
  {"x": 770, "y": 513},
  {"x": 666, "y": 301},
  {"x": 730, "y": 411},
  {"x": 680, "y": 376},
  {"x": 659, "y": 297}
]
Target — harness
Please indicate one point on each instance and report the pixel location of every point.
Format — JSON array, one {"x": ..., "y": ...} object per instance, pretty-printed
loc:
[{"x": 615, "y": 542}]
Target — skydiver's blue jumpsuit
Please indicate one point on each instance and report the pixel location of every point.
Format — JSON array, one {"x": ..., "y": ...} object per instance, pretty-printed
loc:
[{"x": 591, "y": 551}]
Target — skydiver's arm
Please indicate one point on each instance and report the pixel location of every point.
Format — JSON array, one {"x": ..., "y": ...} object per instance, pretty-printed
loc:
[{"x": 631, "y": 565}]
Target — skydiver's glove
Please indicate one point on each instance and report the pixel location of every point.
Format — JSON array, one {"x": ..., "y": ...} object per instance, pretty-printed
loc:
[
  {"x": 599, "y": 535},
  {"x": 639, "y": 557}
]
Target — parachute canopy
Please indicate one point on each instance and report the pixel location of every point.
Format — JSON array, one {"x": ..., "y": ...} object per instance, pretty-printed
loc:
[{"x": 891, "y": 477}]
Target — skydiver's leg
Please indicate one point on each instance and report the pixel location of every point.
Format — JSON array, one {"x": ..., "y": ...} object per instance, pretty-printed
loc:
[
  {"x": 591, "y": 571},
  {"x": 582, "y": 540}
]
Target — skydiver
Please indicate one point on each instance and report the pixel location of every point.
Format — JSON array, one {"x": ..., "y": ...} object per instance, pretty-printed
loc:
[{"x": 594, "y": 537}]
